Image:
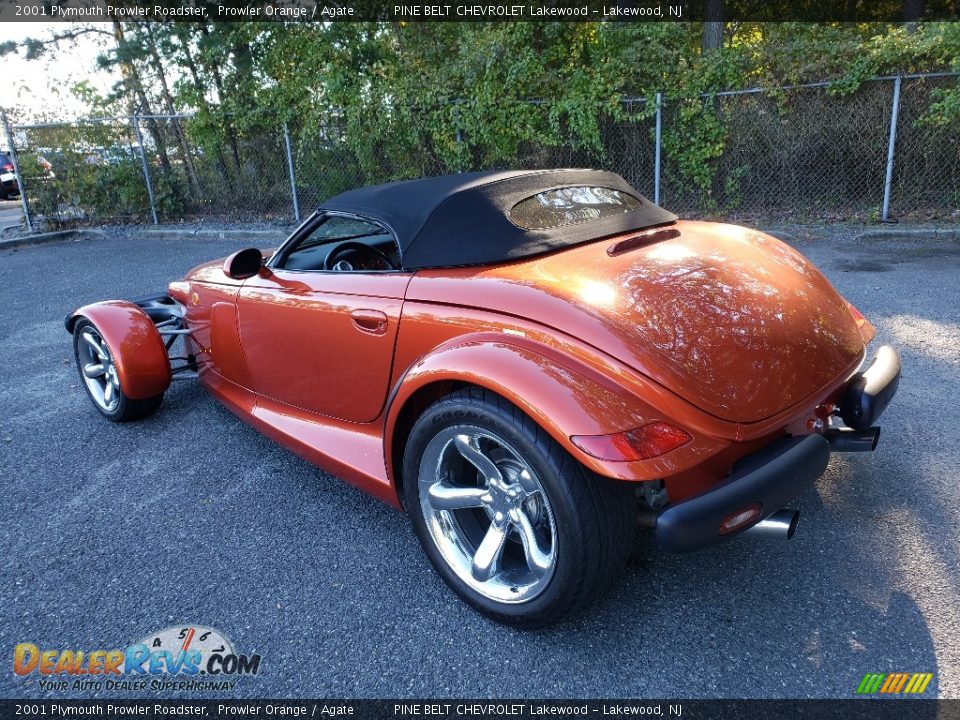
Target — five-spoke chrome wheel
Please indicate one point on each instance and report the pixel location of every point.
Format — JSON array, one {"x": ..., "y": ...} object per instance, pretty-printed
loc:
[
  {"x": 98, "y": 369},
  {"x": 488, "y": 514}
]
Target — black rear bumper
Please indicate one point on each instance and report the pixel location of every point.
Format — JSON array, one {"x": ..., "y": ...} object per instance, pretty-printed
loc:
[
  {"x": 781, "y": 471},
  {"x": 870, "y": 391},
  {"x": 771, "y": 477}
]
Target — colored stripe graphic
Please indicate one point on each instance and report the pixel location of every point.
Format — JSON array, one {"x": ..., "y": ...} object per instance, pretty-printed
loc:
[
  {"x": 894, "y": 683},
  {"x": 870, "y": 683},
  {"x": 891, "y": 679},
  {"x": 927, "y": 677}
]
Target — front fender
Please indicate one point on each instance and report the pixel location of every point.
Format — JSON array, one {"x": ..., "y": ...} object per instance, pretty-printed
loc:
[
  {"x": 139, "y": 354},
  {"x": 563, "y": 396}
]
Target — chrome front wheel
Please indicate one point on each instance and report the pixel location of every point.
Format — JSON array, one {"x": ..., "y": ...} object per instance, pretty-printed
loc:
[
  {"x": 97, "y": 365},
  {"x": 98, "y": 370}
]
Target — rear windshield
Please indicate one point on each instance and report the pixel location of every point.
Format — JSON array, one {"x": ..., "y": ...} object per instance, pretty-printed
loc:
[{"x": 570, "y": 206}]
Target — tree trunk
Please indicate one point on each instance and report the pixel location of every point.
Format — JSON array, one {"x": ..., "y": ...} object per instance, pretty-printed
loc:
[
  {"x": 713, "y": 13},
  {"x": 200, "y": 89},
  {"x": 218, "y": 84},
  {"x": 712, "y": 26},
  {"x": 139, "y": 104},
  {"x": 912, "y": 13},
  {"x": 168, "y": 103}
]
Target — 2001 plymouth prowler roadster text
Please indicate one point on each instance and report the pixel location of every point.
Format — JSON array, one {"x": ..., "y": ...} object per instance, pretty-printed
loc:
[{"x": 528, "y": 363}]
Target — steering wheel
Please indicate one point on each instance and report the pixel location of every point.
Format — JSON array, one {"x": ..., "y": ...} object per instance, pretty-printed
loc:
[{"x": 331, "y": 262}]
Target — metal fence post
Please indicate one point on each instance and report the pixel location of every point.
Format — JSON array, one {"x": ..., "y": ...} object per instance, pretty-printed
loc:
[
  {"x": 135, "y": 121},
  {"x": 456, "y": 120},
  {"x": 656, "y": 151},
  {"x": 293, "y": 177},
  {"x": 16, "y": 170},
  {"x": 891, "y": 146}
]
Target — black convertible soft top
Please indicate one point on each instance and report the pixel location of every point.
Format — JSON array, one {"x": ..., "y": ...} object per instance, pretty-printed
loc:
[{"x": 454, "y": 220}]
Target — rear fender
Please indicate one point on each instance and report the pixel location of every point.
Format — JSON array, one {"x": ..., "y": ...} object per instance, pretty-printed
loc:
[
  {"x": 562, "y": 396},
  {"x": 138, "y": 350}
]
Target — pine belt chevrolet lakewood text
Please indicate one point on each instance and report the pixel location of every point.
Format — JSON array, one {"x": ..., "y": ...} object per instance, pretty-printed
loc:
[{"x": 531, "y": 364}]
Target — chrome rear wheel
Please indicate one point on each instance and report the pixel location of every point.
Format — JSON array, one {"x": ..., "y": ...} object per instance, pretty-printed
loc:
[
  {"x": 488, "y": 514},
  {"x": 509, "y": 520}
]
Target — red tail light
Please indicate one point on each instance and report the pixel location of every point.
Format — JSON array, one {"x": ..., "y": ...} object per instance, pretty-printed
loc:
[
  {"x": 642, "y": 443},
  {"x": 857, "y": 315},
  {"x": 867, "y": 331}
]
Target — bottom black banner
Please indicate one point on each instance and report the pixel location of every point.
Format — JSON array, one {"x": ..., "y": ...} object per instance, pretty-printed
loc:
[{"x": 865, "y": 709}]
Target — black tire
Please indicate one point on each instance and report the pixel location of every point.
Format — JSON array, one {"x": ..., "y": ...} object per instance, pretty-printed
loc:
[
  {"x": 593, "y": 518},
  {"x": 123, "y": 409}
]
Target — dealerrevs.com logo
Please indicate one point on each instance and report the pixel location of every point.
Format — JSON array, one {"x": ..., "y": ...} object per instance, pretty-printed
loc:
[{"x": 178, "y": 658}]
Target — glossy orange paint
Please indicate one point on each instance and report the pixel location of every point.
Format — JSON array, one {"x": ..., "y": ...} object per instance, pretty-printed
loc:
[
  {"x": 567, "y": 387},
  {"x": 322, "y": 342},
  {"x": 352, "y": 451},
  {"x": 135, "y": 345},
  {"x": 731, "y": 319},
  {"x": 571, "y": 388},
  {"x": 722, "y": 331}
]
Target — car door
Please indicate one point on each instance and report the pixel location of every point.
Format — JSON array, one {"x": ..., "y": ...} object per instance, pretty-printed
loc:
[{"x": 323, "y": 340}]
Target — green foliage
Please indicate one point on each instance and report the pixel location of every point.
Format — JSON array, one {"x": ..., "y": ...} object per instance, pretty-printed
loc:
[
  {"x": 380, "y": 101},
  {"x": 944, "y": 112},
  {"x": 94, "y": 183},
  {"x": 933, "y": 46},
  {"x": 110, "y": 189}
]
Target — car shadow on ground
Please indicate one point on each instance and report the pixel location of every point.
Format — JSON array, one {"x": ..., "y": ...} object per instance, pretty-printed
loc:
[{"x": 809, "y": 617}]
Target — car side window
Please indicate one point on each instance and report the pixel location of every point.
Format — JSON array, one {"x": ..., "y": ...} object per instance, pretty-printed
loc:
[{"x": 341, "y": 243}]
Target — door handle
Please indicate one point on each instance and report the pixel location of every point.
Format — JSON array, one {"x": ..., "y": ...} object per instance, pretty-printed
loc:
[{"x": 370, "y": 321}]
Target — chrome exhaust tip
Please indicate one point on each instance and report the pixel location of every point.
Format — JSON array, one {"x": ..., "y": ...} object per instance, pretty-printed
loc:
[
  {"x": 853, "y": 440},
  {"x": 781, "y": 524}
]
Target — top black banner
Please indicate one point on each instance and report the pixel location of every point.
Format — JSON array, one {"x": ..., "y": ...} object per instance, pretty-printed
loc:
[{"x": 472, "y": 10}]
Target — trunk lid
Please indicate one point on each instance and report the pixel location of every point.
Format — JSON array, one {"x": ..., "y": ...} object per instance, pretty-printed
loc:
[{"x": 732, "y": 320}]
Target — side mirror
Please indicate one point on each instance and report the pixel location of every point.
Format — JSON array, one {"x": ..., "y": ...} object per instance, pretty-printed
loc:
[{"x": 243, "y": 264}]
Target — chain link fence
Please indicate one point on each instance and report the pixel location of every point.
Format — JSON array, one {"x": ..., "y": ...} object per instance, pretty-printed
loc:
[
  {"x": 807, "y": 154},
  {"x": 926, "y": 171},
  {"x": 790, "y": 154}
]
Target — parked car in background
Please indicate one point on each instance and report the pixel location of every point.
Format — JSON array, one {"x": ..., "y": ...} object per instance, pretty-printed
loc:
[{"x": 8, "y": 179}]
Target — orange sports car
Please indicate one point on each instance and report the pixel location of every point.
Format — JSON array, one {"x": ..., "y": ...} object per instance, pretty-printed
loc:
[{"x": 531, "y": 364}]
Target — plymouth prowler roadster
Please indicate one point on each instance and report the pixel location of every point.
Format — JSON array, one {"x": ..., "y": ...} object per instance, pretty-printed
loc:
[{"x": 531, "y": 364}]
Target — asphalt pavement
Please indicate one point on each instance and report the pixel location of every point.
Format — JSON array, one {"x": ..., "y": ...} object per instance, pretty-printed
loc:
[
  {"x": 10, "y": 214},
  {"x": 111, "y": 532}
]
